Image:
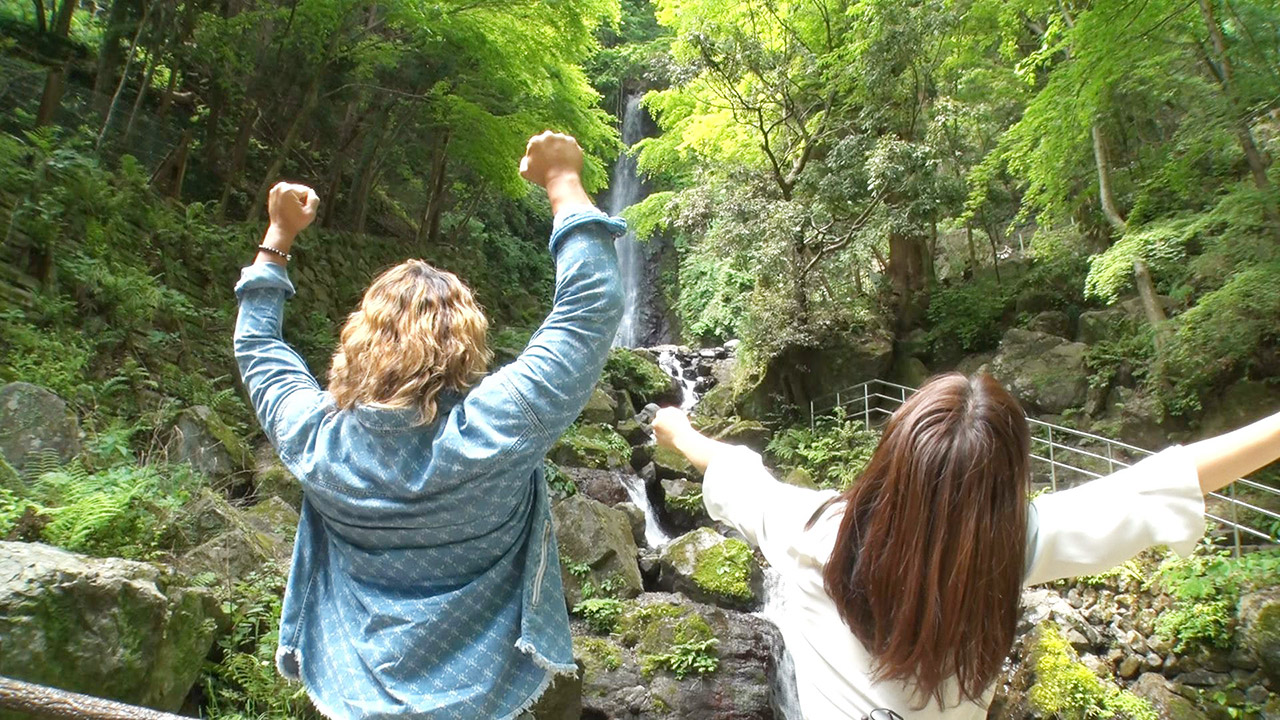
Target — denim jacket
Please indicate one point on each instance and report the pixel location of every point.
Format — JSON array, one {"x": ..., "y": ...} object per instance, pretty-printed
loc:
[{"x": 425, "y": 581}]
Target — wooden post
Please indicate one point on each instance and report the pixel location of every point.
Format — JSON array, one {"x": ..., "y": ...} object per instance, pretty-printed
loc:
[{"x": 39, "y": 701}]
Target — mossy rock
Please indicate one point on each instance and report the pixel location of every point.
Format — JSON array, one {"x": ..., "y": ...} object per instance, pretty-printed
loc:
[
  {"x": 719, "y": 401},
  {"x": 591, "y": 446},
  {"x": 200, "y": 437},
  {"x": 633, "y": 432},
  {"x": 273, "y": 479},
  {"x": 596, "y": 654},
  {"x": 653, "y": 628},
  {"x": 600, "y": 408},
  {"x": 671, "y": 464},
  {"x": 800, "y": 477},
  {"x": 682, "y": 505},
  {"x": 750, "y": 433},
  {"x": 597, "y": 550},
  {"x": 35, "y": 422},
  {"x": 711, "y": 568},
  {"x": 1259, "y": 618},
  {"x": 1066, "y": 687},
  {"x": 641, "y": 377}
]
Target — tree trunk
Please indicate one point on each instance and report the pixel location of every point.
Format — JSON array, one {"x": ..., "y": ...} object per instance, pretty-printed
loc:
[
  {"x": 42, "y": 22},
  {"x": 430, "y": 225},
  {"x": 110, "y": 54},
  {"x": 1102, "y": 159},
  {"x": 907, "y": 276},
  {"x": 1150, "y": 302},
  {"x": 239, "y": 152},
  {"x": 124, "y": 75},
  {"x": 1226, "y": 78},
  {"x": 55, "y": 82}
]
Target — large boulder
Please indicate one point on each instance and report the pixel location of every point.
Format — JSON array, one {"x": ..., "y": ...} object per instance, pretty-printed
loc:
[
  {"x": 35, "y": 422},
  {"x": 629, "y": 674},
  {"x": 1045, "y": 372},
  {"x": 638, "y": 373},
  {"x": 708, "y": 567},
  {"x": 1259, "y": 619},
  {"x": 112, "y": 628},
  {"x": 799, "y": 374},
  {"x": 682, "y": 508},
  {"x": 201, "y": 438},
  {"x": 1164, "y": 698},
  {"x": 253, "y": 537},
  {"x": 1237, "y": 406},
  {"x": 751, "y": 433},
  {"x": 597, "y": 547}
]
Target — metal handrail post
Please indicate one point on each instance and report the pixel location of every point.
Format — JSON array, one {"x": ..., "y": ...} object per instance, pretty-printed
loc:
[
  {"x": 1053, "y": 466},
  {"x": 866, "y": 406}
]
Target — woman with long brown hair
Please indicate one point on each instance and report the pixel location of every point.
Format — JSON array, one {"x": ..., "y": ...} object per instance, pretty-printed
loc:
[{"x": 903, "y": 592}]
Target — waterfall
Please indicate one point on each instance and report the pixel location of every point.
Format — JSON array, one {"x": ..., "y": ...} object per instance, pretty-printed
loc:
[
  {"x": 784, "y": 696},
  {"x": 654, "y": 535},
  {"x": 625, "y": 190}
]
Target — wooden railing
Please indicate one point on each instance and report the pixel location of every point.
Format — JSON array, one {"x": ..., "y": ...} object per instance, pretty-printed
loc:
[{"x": 39, "y": 701}]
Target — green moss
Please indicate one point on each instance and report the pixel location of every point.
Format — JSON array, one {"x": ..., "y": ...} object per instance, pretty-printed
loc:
[
  {"x": 593, "y": 446},
  {"x": 1067, "y": 689},
  {"x": 601, "y": 614},
  {"x": 670, "y": 637},
  {"x": 627, "y": 370},
  {"x": 725, "y": 569},
  {"x": 597, "y": 654}
]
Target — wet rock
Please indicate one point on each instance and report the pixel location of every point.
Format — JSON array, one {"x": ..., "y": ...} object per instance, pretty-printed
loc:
[
  {"x": 597, "y": 545},
  {"x": 601, "y": 485},
  {"x": 633, "y": 431},
  {"x": 709, "y": 567},
  {"x": 682, "y": 508},
  {"x": 1045, "y": 372},
  {"x": 671, "y": 464},
  {"x": 35, "y": 422},
  {"x": 201, "y": 438},
  {"x": 719, "y": 401},
  {"x": 107, "y": 627},
  {"x": 635, "y": 516}
]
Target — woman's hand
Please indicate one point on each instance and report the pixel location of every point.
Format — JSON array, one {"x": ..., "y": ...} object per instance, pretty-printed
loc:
[
  {"x": 672, "y": 428},
  {"x": 291, "y": 208},
  {"x": 554, "y": 161},
  {"x": 669, "y": 424}
]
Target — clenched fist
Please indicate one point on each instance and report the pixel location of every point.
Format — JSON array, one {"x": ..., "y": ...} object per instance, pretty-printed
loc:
[
  {"x": 291, "y": 207},
  {"x": 550, "y": 156},
  {"x": 669, "y": 424}
]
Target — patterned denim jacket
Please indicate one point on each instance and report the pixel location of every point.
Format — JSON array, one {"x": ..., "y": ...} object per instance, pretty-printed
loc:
[{"x": 425, "y": 581}]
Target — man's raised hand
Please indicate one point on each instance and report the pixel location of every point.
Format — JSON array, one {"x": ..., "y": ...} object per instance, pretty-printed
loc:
[{"x": 549, "y": 157}]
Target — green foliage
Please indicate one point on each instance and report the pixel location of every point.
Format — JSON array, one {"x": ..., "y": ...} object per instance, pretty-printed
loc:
[
  {"x": 1130, "y": 348},
  {"x": 688, "y": 502},
  {"x": 834, "y": 452},
  {"x": 601, "y": 614},
  {"x": 590, "y": 445},
  {"x": 1162, "y": 245},
  {"x": 684, "y": 658},
  {"x": 1224, "y": 336},
  {"x": 968, "y": 316},
  {"x": 123, "y": 511},
  {"x": 725, "y": 569},
  {"x": 1068, "y": 689},
  {"x": 244, "y": 683},
  {"x": 1207, "y": 586},
  {"x": 562, "y": 485}
]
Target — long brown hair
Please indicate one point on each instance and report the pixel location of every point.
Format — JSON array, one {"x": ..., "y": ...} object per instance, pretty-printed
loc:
[{"x": 928, "y": 564}]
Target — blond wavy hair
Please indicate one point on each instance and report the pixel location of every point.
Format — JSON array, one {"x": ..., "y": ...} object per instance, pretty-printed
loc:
[{"x": 418, "y": 331}]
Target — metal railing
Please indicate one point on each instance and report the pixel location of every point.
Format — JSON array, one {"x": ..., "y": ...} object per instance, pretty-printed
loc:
[{"x": 1063, "y": 457}]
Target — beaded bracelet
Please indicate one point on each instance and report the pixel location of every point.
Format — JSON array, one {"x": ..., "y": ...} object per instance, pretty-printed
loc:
[{"x": 267, "y": 248}]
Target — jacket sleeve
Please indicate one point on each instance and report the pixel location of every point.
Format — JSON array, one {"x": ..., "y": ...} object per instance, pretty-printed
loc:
[
  {"x": 1096, "y": 526},
  {"x": 522, "y": 408},
  {"x": 285, "y": 395}
]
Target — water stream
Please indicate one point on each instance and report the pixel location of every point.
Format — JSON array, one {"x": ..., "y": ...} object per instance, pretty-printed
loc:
[
  {"x": 784, "y": 696},
  {"x": 625, "y": 190}
]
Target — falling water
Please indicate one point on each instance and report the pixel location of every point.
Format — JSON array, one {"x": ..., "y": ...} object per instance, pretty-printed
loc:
[
  {"x": 654, "y": 536},
  {"x": 785, "y": 697},
  {"x": 625, "y": 190},
  {"x": 670, "y": 362}
]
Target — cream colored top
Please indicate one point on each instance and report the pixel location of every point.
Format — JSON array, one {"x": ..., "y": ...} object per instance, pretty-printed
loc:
[{"x": 1082, "y": 531}]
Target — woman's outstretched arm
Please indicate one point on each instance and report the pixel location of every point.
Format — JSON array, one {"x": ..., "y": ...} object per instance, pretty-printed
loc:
[{"x": 1222, "y": 459}]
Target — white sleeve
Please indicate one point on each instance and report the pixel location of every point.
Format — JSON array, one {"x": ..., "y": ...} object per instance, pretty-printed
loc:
[
  {"x": 738, "y": 490},
  {"x": 1092, "y": 528}
]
